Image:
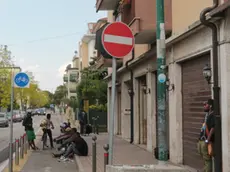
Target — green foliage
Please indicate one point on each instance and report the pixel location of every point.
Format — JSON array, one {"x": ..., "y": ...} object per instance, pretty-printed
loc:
[
  {"x": 5, "y": 76},
  {"x": 31, "y": 96},
  {"x": 60, "y": 94},
  {"x": 92, "y": 86},
  {"x": 100, "y": 107},
  {"x": 5, "y": 56},
  {"x": 50, "y": 98}
]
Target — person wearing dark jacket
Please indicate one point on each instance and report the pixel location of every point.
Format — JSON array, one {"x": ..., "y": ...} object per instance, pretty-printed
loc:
[
  {"x": 82, "y": 116},
  {"x": 77, "y": 145},
  {"x": 28, "y": 124}
]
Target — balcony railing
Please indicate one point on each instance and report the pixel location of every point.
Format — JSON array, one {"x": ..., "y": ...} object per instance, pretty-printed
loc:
[{"x": 74, "y": 77}]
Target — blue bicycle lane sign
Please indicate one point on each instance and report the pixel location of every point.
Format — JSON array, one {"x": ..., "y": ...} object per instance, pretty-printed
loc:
[{"x": 22, "y": 80}]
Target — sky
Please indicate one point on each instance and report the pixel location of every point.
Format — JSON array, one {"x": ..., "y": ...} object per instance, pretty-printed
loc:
[{"x": 43, "y": 35}]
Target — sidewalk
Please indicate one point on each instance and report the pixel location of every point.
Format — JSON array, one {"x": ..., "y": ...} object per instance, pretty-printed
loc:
[
  {"x": 124, "y": 153},
  {"x": 42, "y": 160},
  {"x": 126, "y": 157}
]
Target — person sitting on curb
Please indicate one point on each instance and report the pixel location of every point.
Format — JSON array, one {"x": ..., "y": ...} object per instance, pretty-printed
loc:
[
  {"x": 65, "y": 135},
  {"x": 78, "y": 147},
  {"x": 75, "y": 145}
]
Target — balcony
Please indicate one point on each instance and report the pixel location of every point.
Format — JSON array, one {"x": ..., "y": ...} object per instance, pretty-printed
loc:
[
  {"x": 143, "y": 22},
  {"x": 65, "y": 78},
  {"x": 73, "y": 77},
  {"x": 104, "y": 5},
  {"x": 72, "y": 87}
]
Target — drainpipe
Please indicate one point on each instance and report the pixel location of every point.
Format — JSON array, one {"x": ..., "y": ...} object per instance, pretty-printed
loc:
[
  {"x": 131, "y": 98},
  {"x": 216, "y": 88}
]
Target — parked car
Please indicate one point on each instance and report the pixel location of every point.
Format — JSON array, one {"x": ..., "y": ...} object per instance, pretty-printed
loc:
[
  {"x": 17, "y": 116},
  {"x": 41, "y": 112},
  {"x": 4, "y": 122},
  {"x": 23, "y": 114}
]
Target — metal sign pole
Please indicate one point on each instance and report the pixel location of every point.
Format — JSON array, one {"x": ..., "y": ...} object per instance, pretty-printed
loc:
[
  {"x": 11, "y": 122},
  {"x": 161, "y": 84},
  {"x": 112, "y": 108}
]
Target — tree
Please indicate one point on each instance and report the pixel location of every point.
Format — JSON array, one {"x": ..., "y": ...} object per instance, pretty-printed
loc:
[
  {"x": 5, "y": 56},
  {"x": 5, "y": 76},
  {"x": 59, "y": 94},
  {"x": 50, "y": 98},
  {"x": 32, "y": 96},
  {"x": 92, "y": 86}
]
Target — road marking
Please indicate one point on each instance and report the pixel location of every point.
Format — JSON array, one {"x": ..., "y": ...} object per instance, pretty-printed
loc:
[{"x": 118, "y": 39}]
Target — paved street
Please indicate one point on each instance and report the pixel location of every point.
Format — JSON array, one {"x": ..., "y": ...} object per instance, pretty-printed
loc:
[{"x": 18, "y": 131}]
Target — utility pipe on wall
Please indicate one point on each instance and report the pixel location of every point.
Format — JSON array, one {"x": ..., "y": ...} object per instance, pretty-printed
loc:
[
  {"x": 216, "y": 89},
  {"x": 131, "y": 97}
]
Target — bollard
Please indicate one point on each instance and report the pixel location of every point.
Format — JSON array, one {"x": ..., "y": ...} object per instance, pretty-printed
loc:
[
  {"x": 21, "y": 147},
  {"x": 106, "y": 156},
  {"x": 17, "y": 152},
  {"x": 25, "y": 143},
  {"x": 12, "y": 153},
  {"x": 94, "y": 154}
]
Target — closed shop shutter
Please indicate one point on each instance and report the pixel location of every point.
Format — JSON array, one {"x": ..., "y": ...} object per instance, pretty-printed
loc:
[{"x": 195, "y": 91}]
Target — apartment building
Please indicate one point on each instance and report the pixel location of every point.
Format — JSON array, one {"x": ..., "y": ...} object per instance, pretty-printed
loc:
[
  {"x": 189, "y": 50},
  {"x": 72, "y": 76},
  {"x": 86, "y": 47}
]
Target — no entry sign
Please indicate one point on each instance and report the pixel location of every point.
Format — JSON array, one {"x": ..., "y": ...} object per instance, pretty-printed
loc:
[{"x": 117, "y": 39}]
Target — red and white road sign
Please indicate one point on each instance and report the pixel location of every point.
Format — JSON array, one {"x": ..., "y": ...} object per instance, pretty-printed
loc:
[{"x": 117, "y": 39}]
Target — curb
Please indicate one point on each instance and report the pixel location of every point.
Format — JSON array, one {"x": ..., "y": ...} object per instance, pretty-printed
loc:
[{"x": 78, "y": 164}]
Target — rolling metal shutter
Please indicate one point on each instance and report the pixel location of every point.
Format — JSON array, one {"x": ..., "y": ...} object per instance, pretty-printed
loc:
[{"x": 195, "y": 91}]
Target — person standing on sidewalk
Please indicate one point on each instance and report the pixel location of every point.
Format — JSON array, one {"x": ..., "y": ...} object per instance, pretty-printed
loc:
[
  {"x": 47, "y": 125},
  {"x": 206, "y": 139},
  {"x": 28, "y": 124},
  {"x": 82, "y": 116},
  {"x": 69, "y": 116}
]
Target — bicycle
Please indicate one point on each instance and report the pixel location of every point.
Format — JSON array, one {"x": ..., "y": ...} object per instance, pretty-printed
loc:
[{"x": 44, "y": 140}]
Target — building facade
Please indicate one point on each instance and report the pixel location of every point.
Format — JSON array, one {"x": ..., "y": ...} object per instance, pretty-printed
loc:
[
  {"x": 86, "y": 47},
  {"x": 72, "y": 77},
  {"x": 188, "y": 50}
]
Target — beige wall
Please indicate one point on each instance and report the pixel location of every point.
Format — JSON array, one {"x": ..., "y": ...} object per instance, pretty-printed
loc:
[
  {"x": 139, "y": 49},
  {"x": 84, "y": 55},
  {"x": 110, "y": 16},
  {"x": 76, "y": 63},
  {"x": 186, "y": 13}
]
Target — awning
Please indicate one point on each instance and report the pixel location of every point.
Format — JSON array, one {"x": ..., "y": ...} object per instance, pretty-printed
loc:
[{"x": 98, "y": 43}]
